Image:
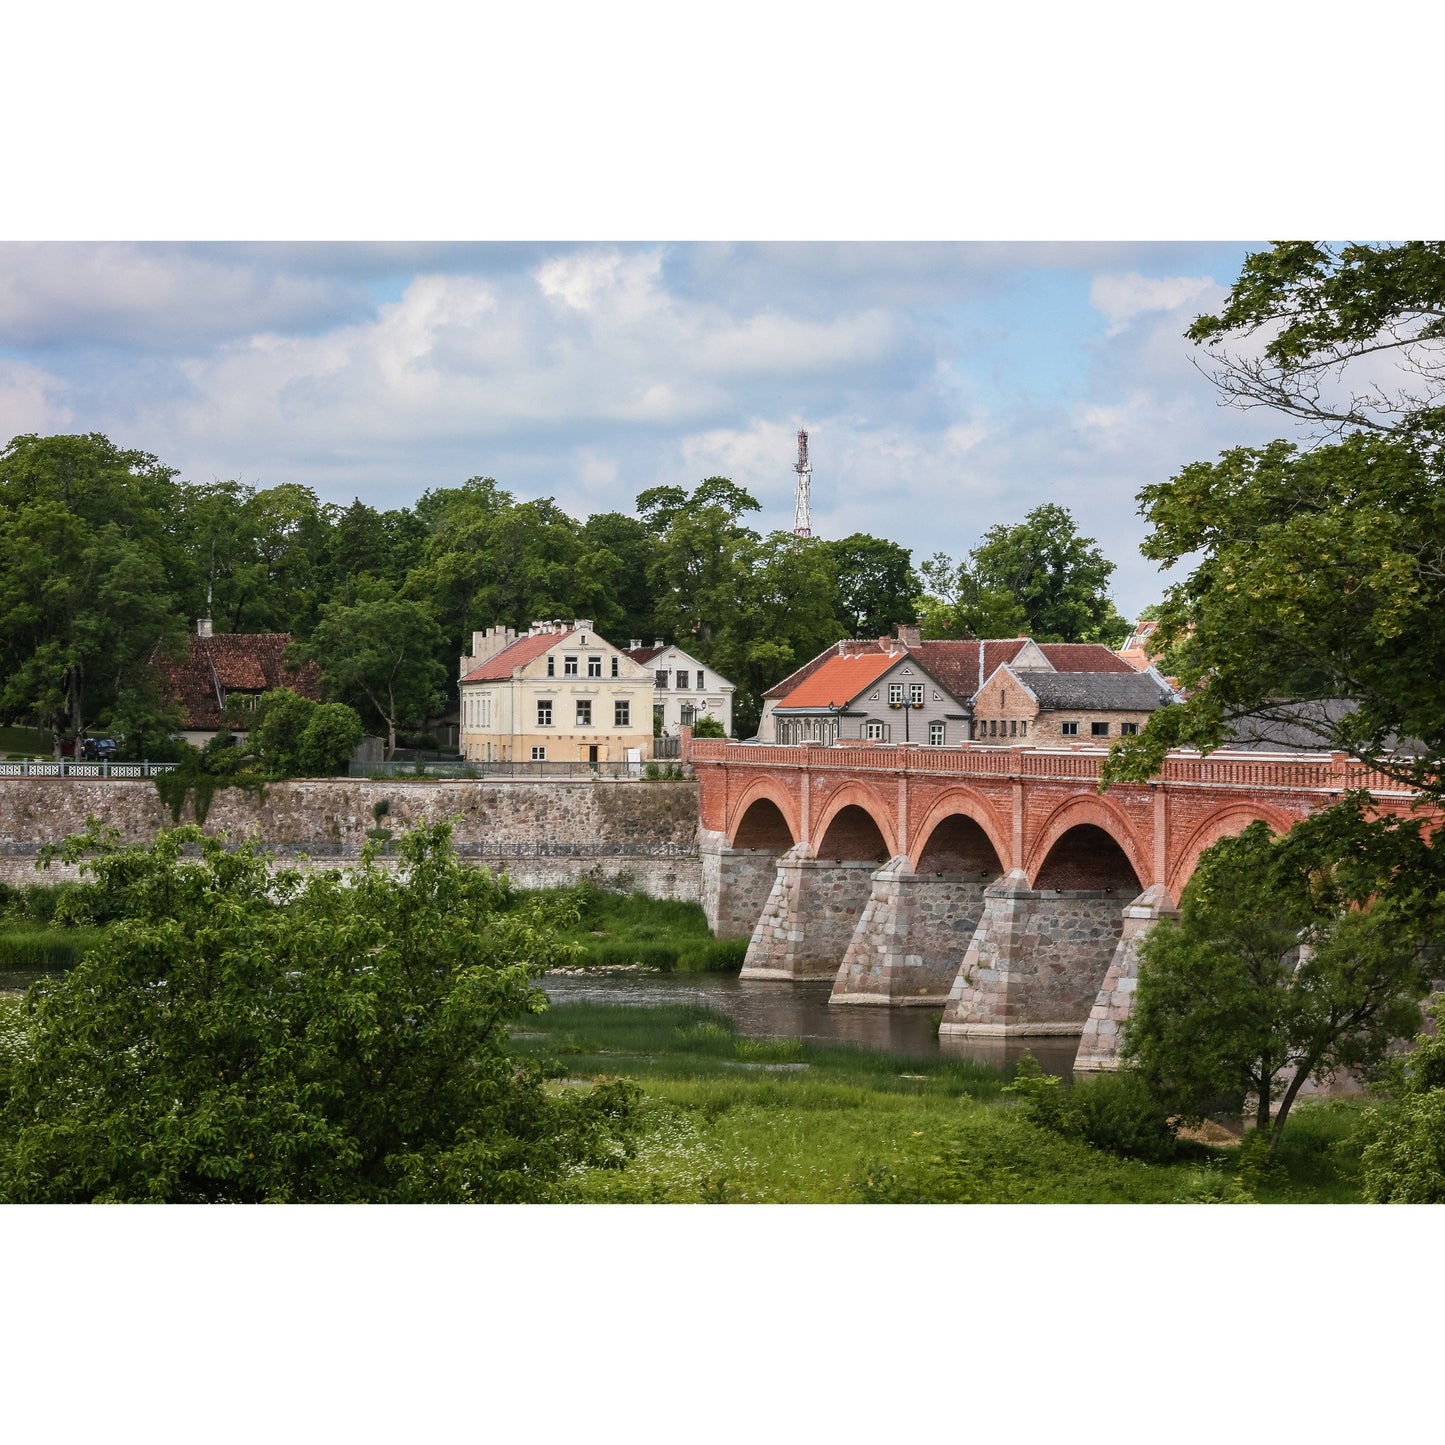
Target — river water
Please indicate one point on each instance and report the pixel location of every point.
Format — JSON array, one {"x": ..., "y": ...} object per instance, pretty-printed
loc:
[{"x": 802, "y": 1011}]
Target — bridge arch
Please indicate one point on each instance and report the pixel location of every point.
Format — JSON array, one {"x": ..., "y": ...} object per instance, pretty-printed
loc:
[
  {"x": 935, "y": 832},
  {"x": 1101, "y": 816},
  {"x": 762, "y": 816},
  {"x": 1227, "y": 822},
  {"x": 844, "y": 818}
]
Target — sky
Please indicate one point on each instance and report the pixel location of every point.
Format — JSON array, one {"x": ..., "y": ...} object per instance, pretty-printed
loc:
[{"x": 946, "y": 387}]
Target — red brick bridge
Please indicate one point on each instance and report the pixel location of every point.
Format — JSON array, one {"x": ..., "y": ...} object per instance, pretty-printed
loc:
[{"x": 996, "y": 883}]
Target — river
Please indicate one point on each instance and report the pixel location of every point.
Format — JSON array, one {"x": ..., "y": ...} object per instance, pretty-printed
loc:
[{"x": 802, "y": 1010}]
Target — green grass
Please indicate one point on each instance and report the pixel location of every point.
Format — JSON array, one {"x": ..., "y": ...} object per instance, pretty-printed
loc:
[
  {"x": 728, "y": 1119},
  {"x": 26, "y": 947},
  {"x": 25, "y": 742},
  {"x": 632, "y": 928}
]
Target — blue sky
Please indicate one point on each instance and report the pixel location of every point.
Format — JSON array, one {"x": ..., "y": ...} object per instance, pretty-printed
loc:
[{"x": 946, "y": 387}]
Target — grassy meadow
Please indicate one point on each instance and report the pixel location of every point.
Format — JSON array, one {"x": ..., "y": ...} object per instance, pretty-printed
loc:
[{"x": 730, "y": 1119}]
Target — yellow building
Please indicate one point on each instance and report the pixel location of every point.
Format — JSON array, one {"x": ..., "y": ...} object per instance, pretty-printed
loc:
[{"x": 559, "y": 693}]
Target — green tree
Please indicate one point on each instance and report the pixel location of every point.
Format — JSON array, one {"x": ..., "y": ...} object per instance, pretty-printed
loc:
[
  {"x": 380, "y": 655},
  {"x": 1059, "y": 578},
  {"x": 707, "y": 726},
  {"x": 281, "y": 718},
  {"x": 250, "y": 1036},
  {"x": 955, "y": 605},
  {"x": 1293, "y": 958},
  {"x": 88, "y": 576},
  {"x": 1317, "y": 575},
  {"x": 877, "y": 587},
  {"x": 1403, "y": 1158},
  {"x": 332, "y": 734},
  {"x": 1353, "y": 336}
]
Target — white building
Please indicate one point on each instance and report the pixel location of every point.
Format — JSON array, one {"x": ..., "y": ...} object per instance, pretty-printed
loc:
[{"x": 685, "y": 689}]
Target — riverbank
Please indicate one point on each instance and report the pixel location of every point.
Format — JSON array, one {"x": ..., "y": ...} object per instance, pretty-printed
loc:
[{"x": 733, "y": 1119}]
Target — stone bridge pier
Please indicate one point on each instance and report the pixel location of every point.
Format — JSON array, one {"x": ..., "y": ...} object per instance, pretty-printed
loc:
[
  {"x": 738, "y": 878},
  {"x": 1036, "y": 962},
  {"x": 816, "y": 901},
  {"x": 916, "y": 927}
]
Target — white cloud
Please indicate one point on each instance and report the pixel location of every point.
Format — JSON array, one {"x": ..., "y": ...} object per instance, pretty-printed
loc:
[
  {"x": 1121, "y": 298},
  {"x": 30, "y": 401}
]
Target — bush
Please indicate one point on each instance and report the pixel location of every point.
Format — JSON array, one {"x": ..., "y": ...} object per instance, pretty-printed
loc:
[
  {"x": 1403, "y": 1159},
  {"x": 1113, "y": 1111},
  {"x": 332, "y": 734}
]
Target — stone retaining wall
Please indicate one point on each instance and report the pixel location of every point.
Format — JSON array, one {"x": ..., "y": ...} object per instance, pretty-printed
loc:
[{"x": 643, "y": 833}]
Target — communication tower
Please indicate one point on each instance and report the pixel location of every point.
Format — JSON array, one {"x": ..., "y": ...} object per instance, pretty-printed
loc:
[{"x": 802, "y": 519}]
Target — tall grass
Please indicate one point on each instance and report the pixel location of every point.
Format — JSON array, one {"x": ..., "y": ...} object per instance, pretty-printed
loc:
[{"x": 44, "y": 949}]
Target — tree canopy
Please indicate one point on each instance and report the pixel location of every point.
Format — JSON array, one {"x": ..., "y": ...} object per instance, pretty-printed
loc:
[
  {"x": 249, "y": 1036},
  {"x": 1293, "y": 957}
]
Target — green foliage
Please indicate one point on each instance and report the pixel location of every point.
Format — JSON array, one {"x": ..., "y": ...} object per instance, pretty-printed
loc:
[
  {"x": 332, "y": 734},
  {"x": 1403, "y": 1135},
  {"x": 1293, "y": 958},
  {"x": 1114, "y": 1112},
  {"x": 281, "y": 717},
  {"x": 1039, "y": 577},
  {"x": 380, "y": 654},
  {"x": 45, "y": 948},
  {"x": 708, "y": 726},
  {"x": 248, "y": 1036},
  {"x": 222, "y": 763},
  {"x": 1321, "y": 310}
]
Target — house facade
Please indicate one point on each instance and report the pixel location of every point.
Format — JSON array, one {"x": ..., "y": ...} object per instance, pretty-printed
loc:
[
  {"x": 944, "y": 693},
  {"x": 557, "y": 693},
  {"x": 222, "y": 675},
  {"x": 1053, "y": 709},
  {"x": 685, "y": 689}
]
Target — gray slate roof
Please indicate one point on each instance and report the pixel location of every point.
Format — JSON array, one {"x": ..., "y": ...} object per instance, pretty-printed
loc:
[{"x": 1096, "y": 691}]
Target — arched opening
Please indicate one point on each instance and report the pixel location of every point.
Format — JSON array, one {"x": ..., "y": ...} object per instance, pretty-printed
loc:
[
  {"x": 959, "y": 847},
  {"x": 763, "y": 826},
  {"x": 1087, "y": 860},
  {"x": 853, "y": 837}
]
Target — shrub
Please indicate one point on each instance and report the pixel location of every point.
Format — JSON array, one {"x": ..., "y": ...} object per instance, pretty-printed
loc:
[
  {"x": 1403, "y": 1160},
  {"x": 1113, "y": 1111},
  {"x": 332, "y": 733}
]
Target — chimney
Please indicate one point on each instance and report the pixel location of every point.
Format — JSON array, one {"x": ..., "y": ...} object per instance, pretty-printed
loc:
[
  {"x": 582, "y": 624},
  {"x": 909, "y": 636},
  {"x": 203, "y": 627},
  {"x": 487, "y": 644},
  {"x": 634, "y": 644},
  {"x": 659, "y": 643}
]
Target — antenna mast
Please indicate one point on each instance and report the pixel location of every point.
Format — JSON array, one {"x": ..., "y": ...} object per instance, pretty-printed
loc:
[{"x": 802, "y": 520}]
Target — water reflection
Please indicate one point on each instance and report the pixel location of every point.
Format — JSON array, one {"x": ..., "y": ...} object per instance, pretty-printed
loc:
[{"x": 801, "y": 1010}]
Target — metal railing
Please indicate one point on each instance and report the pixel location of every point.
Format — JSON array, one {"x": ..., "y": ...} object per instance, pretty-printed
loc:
[
  {"x": 69, "y": 768},
  {"x": 480, "y": 771}
]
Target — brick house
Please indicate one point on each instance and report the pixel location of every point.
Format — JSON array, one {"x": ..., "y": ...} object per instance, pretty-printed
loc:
[
  {"x": 557, "y": 693},
  {"x": 222, "y": 675},
  {"x": 1052, "y": 708},
  {"x": 685, "y": 689},
  {"x": 936, "y": 693}
]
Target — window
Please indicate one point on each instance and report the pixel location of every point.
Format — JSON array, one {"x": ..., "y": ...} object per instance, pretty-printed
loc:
[
  {"x": 993, "y": 727},
  {"x": 551, "y": 665},
  {"x": 1013, "y": 729},
  {"x": 614, "y": 666},
  {"x": 935, "y": 734},
  {"x": 584, "y": 713},
  {"x": 687, "y": 714},
  {"x": 895, "y": 692},
  {"x": 873, "y": 732},
  {"x": 544, "y": 714},
  {"x": 1099, "y": 730},
  {"x": 622, "y": 714},
  {"x": 1069, "y": 730},
  {"x": 915, "y": 693},
  {"x": 539, "y": 755},
  {"x": 1024, "y": 729},
  {"x": 682, "y": 679},
  {"x": 569, "y": 667},
  {"x": 662, "y": 677},
  {"x": 1128, "y": 730},
  {"x": 594, "y": 667},
  {"x": 700, "y": 685}
]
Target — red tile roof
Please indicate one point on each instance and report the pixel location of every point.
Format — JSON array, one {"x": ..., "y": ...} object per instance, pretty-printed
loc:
[
  {"x": 1083, "y": 657},
  {"x": 524, "y": 650},
  {"x": 230, "y": 662},
  {"x": 644, "y": 655},
  {"x": 781, "y": 689},
  {"x": 839, "y": 679}
]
